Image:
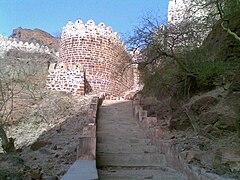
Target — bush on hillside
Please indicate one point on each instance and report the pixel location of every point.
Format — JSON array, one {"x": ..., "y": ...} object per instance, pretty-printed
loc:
[
  {"x": 207, "y": 72},
  {"x": 210, "y": 69},
  {"x": 160, "y": 80}
]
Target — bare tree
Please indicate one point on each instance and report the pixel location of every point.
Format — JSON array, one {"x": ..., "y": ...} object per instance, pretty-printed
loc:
[
  {"x": 18, "y": 89},
  {"x": 162, "y": 45},
  {"x": 7, "y": 94},
  {"x": 158, "y": 41}
]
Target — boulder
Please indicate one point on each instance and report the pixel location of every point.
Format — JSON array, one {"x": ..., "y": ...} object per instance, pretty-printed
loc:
[
  {"x": 179, "y": 120},
  {"x": 208, "y": 118},
  {"x": 203, "y": 104},
  {"x": 226, "y": 123}
]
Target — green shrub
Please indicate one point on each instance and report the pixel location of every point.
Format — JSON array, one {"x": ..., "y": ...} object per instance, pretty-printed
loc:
[
  {"x": 231, "y": 7},
  {"x": 161, "y": 80},
  {"x": 207, "y": 67},
  {"x": 207, "y": 71}
]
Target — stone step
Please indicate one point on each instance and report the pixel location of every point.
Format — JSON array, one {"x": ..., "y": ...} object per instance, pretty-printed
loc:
[
  {"x": 134, "y": 133},
  {"x": 140, "y": 173},
  {"x": 124, "y": 121},
  {"x": 112, "y": 139},
  {"x": 82, "y": 169},
  {"x": 123, "y": 152},
  {"x": 131, "y": 159},
  {"x": 125, "y": 134},
  {"x": 120, "y": 132},
  {"x": 128, "y": 128},
  {"x": 125, "y": 148},
  {"x": 117, "y": 126}
]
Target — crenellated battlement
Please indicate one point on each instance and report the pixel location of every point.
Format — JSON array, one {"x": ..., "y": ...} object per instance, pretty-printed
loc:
[
  {"x": 79, "y": 29},
  {"x": 7, "y": 44}
]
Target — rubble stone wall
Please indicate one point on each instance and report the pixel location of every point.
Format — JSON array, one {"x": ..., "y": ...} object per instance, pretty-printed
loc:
[{"x": 67, "y": 78}]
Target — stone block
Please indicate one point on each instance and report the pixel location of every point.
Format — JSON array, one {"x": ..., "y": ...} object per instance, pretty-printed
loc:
[
  {"x": 93, "y": 107},
  {"x": 138, "y": 97},
  {"x": 82, "y": 169},
  {"x": 89, "y": 131},
  {"x": 151, "y": 121},
  {"x": 157, "y": 132},
  {"x": 92, "y": 113},
  {"x": 142, "y": 115},
  {"x": 148, "y": 122},
  {"x": 87, "y": 148},
  {"x": 137, "y": 109},
  {"x": 94, "y": 100}
]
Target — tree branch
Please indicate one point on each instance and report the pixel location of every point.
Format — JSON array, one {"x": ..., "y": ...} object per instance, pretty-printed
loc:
[{"x": 228, "y": 30}]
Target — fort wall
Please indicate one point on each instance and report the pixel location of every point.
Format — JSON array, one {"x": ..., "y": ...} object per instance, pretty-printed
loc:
[
  {"x": 7, "y": 44},
  {"x": 100, "y": 53},
  {"x": 67, "y": 78}
]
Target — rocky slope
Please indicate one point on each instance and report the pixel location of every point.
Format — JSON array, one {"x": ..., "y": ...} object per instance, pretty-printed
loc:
[
  {"x": 45, "y": 125},
  {"x": 46, "y": 137}
]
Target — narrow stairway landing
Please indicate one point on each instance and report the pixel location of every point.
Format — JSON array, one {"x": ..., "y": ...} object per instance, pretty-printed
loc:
[{"x": 123, "y": 152}]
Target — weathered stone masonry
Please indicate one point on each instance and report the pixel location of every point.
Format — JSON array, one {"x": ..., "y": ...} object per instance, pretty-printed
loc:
[{"x": 91, "y": 58}]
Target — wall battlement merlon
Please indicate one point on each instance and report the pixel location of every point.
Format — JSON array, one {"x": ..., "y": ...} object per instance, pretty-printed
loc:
[{"x": 79, "y": 29}]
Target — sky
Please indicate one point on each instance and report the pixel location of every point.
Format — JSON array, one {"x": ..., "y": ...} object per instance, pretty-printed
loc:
[{"x": 52, "y": 15}]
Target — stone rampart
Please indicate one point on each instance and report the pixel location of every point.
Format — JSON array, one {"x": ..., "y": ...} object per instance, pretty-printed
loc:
[
  {"x": 102, "y": 55},
  {"x": 7, "y": 44}
]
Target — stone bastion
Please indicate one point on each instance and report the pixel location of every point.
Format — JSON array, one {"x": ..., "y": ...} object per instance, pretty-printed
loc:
[{"x": 92, "y": 58}]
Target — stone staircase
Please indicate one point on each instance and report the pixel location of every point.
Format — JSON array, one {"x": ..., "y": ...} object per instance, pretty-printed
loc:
[{"x": 123, "y": 152}]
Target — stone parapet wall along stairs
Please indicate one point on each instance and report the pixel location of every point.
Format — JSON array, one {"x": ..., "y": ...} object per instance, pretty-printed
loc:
[
  {"x": 174, "y": 156},
  {"x": 85, "y": 165},
  {"x": 7, "y": 44}
]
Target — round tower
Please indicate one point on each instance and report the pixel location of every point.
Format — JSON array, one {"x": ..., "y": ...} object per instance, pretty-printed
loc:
[{"x": 102, "y": 55}]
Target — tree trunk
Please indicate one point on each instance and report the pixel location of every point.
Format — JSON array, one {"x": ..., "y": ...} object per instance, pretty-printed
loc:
[{"x": 7, "y": 144}]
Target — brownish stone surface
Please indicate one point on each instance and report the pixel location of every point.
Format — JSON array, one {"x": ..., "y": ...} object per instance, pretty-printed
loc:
[
  {"x": 36, "y": 36},
  {"x": 103, "y": 62}
]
